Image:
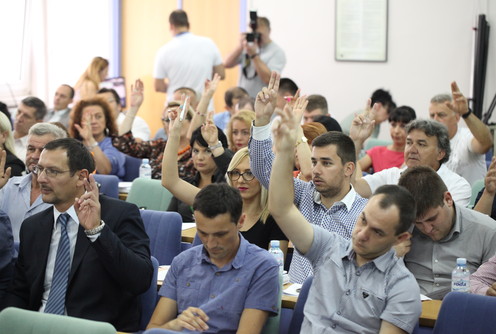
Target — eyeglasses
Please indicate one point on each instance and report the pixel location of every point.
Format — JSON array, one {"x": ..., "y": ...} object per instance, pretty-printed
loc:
[
  {"x": 234, "y": 175},
  {"x": 50, "y": 172}
]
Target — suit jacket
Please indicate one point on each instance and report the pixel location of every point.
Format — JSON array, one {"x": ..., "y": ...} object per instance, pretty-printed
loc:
[{"x": 106, "y": 276}]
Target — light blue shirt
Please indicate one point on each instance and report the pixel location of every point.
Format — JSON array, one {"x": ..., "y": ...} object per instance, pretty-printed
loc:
[
  {"x": 117, "y": 158},
  {"x": 222, "y": 119},
  {"x": 251, "y": 280},
  {"x": 15, "y": 200},
  {"x": 346, "y": 298}
]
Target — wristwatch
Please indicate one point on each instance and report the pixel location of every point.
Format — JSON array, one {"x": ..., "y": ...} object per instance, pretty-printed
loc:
[
  {"x": 95, "y": 230},
  {"x": 301, "y": 140},
  {"x": 216, "y": 146},
  {"x": 464, "y": 116}
]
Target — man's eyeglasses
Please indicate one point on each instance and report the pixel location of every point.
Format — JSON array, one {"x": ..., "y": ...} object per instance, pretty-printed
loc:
[
  {"x": 234, "y": 175},
  {"x": 50, "y": 172}
]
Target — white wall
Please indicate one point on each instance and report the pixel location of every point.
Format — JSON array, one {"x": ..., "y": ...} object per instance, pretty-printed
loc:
[{"x": 429, "y": 45}]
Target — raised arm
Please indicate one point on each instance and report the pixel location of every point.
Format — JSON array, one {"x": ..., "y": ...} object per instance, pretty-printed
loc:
[
  {"x": 201, "y": 112},
  {"x": 281, "y": 197},
  {"x": 136, "y": 102},
  {"x": 482, "y": 141},
  {"x": 485, "y": 203},
  {"x": 232, "y": 59},
  {"x": 102, "y": 162},
  {"x": 183, "y": 190}
]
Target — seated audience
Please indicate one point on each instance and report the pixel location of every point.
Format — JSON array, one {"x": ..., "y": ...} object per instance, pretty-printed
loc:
[
  {"x": 484, "y": 202},
  {"x": 16, "y": 165},
  {"x": 7, "y": 253},
  {"x": 443, "y": 232},
  {"x": 88, "y": 256},
  {"x": 427, "y": 144},
  {"x": 20, "y": 196},
  {"x": 359, "y": 286},
  {"x": 243, "y": 278},
  {"x": 383, "y": 157},
  {"x": 93, "y": 123},
  {"x": 88, "y": 84},
  {"x": 245, "y": 103},
  {"x": 140, "y": 129},
  {"x": 385, "y": 105},
  {"x": 328, "y": 200},
  {"x": 64, "y": 96},
  {"x": 468, "y": 145},
  {"x": 317, "y": 106},
  {"x": 31, "y": 110},
  {"x": 231, "y": 98},
  {"x": 238, "y": 129}
]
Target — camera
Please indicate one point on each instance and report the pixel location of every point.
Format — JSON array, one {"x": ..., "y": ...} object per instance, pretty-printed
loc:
[{"x": 253, "y": 36}]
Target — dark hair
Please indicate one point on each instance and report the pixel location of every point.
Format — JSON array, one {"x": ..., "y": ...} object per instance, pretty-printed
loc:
[
  {"x": 345, "y": 148},
  {"x": 286, "y": 85},
  {"x": 433, "y": 128},
  {"x": 71, "y": 90},
  {"x": 4, "y": 109},
  {"x": 403, "y": 200},
  {"x": 316, "y": 101},
  {"x": 382, "y": 96},
  {"x": 179, "y": 18},
  {"x": 330, "y": 123},
  {"x": 117, "y": 98},
  {"x": 77, "y": 116},
  {"x": 196, "y": 136},
  {"x": 37, "y": 104},
  {"x": 426, "y": 187},
  {"x": 403, "y": 114},
  {"x": 234, "y": 92},
  {"x": 78, "y": 156},
  {"x": 219, "y": 198}
]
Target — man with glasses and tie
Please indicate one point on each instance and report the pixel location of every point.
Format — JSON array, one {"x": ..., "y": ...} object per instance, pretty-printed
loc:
[{"x": 87, "y": 256}]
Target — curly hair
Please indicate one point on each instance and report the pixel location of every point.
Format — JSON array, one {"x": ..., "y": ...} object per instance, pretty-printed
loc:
[{"x": 77, "y": 115}]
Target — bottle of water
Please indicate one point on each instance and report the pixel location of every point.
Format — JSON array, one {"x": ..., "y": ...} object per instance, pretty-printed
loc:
[
  {"x": 278, "y": 254},
  {"x": 460, "y": 278},
  {"x": 145, "y": 169}
]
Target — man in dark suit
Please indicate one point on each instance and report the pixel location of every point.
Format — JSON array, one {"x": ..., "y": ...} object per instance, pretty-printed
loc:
[{"x": 87, "y": 256}]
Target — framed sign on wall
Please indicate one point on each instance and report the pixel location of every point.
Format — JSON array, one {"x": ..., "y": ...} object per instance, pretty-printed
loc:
[{"x": 361, "y": 30}]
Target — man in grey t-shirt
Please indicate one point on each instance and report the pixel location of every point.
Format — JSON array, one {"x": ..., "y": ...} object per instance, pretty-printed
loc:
[{"x": 360, "y": 285}]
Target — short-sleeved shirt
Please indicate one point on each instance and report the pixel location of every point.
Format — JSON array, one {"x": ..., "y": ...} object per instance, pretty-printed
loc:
[
  {"x": 275, "y": 59},
  {"x": 250, "y": 281},
  {"x": 383, "y": 158},
  {"x": 346, "y": 298},
  {"x": 140, "y": 128},
  {"x": 460, "y": 189},
  {"x": 187, "y": 61},
  {"x": 473, "y": 237},
  {"x": 463, "y": 161},
  {"x": 340, "y": 217}
]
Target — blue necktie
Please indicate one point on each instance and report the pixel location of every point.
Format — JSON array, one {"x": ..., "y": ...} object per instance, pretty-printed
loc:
[{"x": 56, "y": 297}]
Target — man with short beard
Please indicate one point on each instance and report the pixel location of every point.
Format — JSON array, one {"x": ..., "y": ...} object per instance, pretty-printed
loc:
[{"x": 20, "y": 196}]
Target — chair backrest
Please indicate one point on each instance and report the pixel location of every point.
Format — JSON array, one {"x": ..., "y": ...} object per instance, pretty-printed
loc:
[
  {"x": 372, "y": 142},
  {"x": 164, "y": 230},
  {"x": 272, "y": 323},
  {"x": 149, "y": 194},
  {"x": 132, "y": 166},
  {"x": 297, "y": 319},
  {"x": 476, "y": 187},
  {"x": 109, "y": 184},
  {"x": 463, "y": 313},
  {"x": 14, "y": 320},
  {"x": 148, "y": 299}
]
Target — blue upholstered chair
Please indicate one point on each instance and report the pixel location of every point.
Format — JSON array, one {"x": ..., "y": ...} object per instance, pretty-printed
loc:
[
  {"x": 148, "y": 300},
  {"x": 18, "y": 321},
  {"x": 109, "y": 184},
  {"x": 132, "y": 166},
  {"x": 164, "y": 230},
  {"x": 463, "y": 313},
  {"x": 297, "y": 320}
]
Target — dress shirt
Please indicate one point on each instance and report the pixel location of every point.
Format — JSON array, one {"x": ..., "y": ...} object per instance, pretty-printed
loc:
[
  {"x": 61, "y": 116},
  {"x": 251, "y": 281},
  {"x": 21, "y": 145},
  {"x": 346, "y": 298}
]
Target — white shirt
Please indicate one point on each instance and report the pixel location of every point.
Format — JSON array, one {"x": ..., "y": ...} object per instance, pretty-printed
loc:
[
  {"x": 140, "y": 128},
  {"x": 459, "y": 188},
  {"x": 21, "y": 145},
  {"x": 463, "y": 160}
]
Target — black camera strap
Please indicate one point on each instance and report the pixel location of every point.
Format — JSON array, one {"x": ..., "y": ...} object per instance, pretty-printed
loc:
[{"x": 246, "y": 64}]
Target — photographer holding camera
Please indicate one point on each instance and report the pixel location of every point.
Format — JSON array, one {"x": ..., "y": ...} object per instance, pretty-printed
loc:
[{"x": 258, "y": 56}]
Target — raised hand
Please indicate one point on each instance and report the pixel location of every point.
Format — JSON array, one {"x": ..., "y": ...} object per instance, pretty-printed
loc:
[
  {"x": 4, "y": 174},
  {"x": 137, "y": 96},
  {"x": 176, "y": 123},
  {"x": 364, "y": 123},
  {"x": 299, "y": 105},
  {"x": 211, "y": 85},
  {"x": 266, "y": 101},
  {"x": 489, "y": 180},
  {"x": 85, "y": 129},
  {"x": 284, "y": 130},
  {"x": 210, "y": 132},
  {"x": 88, "y": 205},
  {"x": 460, "y": 103}
]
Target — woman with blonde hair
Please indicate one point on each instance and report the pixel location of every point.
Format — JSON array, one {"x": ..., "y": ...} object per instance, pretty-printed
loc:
[
  {"x": 88, "y": 84},
  {"x": 238, "y": 129},
  {"x": 7, "y": 143}
]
